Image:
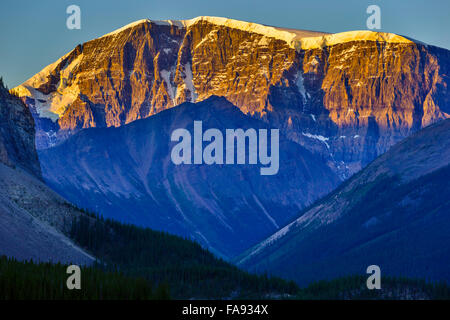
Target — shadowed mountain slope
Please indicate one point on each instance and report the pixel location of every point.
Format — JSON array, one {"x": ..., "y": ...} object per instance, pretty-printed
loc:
[
  {"x": 395, "y": 213},
  {"x": 32, "y": 216},
  {"x": 126, "y": 173}
]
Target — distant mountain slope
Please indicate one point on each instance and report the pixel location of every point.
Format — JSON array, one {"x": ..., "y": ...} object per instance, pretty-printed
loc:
[
  {"x": 127, "y": 174},
  {"x": 25, "y": 236},
  {"x": 349, "y": 96},
  {"x": 395, "y": 213}
]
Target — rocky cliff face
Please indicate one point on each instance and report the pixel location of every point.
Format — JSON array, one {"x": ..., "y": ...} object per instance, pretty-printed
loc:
[
  {"x": 349, "y": 96},
  {"x": 127, "y": 174},
  {"x": 17, "y": 134},
  {"x": 33, "y": 218}
]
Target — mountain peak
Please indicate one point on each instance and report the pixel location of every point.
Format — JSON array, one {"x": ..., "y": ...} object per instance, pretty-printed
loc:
[{"x": 150, "y": 66}]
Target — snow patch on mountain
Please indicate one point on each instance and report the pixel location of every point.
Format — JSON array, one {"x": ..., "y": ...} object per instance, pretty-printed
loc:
[
  {"x": 272, "y": 220},
  {"x": 42, "y": 77},
  {"x": 317, "y": 137},
  {"x": 273, "y": 32},
  {"x": 127, "y": 27},
  {"x": 187, "y": 84},
  {"x": 166, "y": 77},
  {"x": 300, "y": 85},
  {"x": 344, "y": 37},
  {"x": 52, "y": 105}
]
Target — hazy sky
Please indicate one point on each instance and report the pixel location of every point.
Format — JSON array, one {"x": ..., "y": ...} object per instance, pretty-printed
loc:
[{"x": 33, "y": 34}]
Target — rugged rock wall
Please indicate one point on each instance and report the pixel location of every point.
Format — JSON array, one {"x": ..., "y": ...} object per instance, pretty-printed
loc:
[
  {"x": 348, "y": 97},
  {"x": 33, "y": 218},
  {"x": 17, "y": 134}
]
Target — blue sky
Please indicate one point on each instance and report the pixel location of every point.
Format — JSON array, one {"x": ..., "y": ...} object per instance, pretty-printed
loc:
[{"x": 33, "y": 34}]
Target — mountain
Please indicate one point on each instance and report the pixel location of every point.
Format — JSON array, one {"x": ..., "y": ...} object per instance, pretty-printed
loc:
[
  {"x": 127, "y": 173},
  {"x": 17, "y": 134},
  {"x": 395, "y": 213},
  {"x": 32, "y": 221},
  {"x": 39, "y": 225},
  {"x": 32, "y": 217},
  {"x": 349, "y": 96}
]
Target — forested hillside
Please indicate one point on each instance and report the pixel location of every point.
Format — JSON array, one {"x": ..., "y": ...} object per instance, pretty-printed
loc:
[
  {"x": 34, "y": 281},
  {"x": 395, "y": 213},
  {"x": 46, "y": 281},
  {"x": 188, "y": 269},
  {"x": 354, "y": 288}
]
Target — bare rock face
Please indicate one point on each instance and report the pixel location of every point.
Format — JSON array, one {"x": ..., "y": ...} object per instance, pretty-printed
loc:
[
  {"x": 348, "y": 96},
  {"x": 17, "y": 134}
]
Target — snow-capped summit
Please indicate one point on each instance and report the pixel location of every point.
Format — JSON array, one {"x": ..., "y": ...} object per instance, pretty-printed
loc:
[
  {"x": 303, "y": 39},
  {"x": 374, "y": 88},
  {"x": 288, "y": 35},
  {"x": 63, "y": 92}
]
